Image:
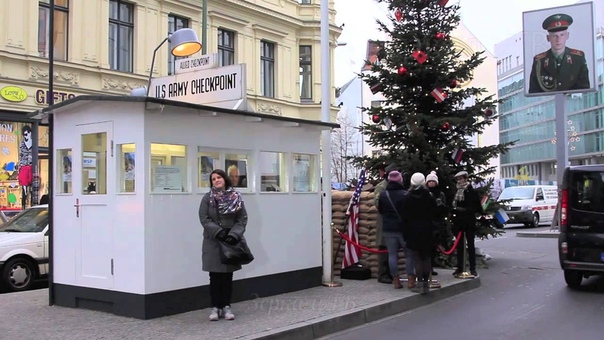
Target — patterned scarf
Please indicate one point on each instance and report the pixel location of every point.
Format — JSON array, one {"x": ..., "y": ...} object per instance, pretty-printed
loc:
[
  {"x": 459, "y": 195},
  {"x": 229, "y": 201}
]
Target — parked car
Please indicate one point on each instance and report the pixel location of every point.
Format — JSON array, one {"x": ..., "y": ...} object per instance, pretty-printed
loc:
[
  {"x": 530, "y": 204},
  {"x": 24, "y": 248},
  {"x": 581, "y": 239}
]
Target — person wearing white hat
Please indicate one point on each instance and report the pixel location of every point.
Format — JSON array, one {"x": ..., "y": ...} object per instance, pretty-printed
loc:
[
  {"x": 466, "y": 205},
  {"x": 440, "y": 226},
  {"x": 419, "y": 210}
]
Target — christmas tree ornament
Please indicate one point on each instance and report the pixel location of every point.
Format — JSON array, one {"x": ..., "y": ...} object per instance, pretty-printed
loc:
[
  {"x": 440, "y": 36},
  {"x": 420, "y": 56},
  {"x": 375, "y": 86},
  {"x": 375, "y": 118},
  {"x": 446, "y": 126},
  {"x": 454, "y": 83},
  {"x": 402, "y": 70},
  {"x": 388, "y": 123},
  {"x": 443, "y": 3},
  {"x": 439, "y": 94},
  {"x": 457, "y": 155},
  {"x": 488, "y": 113},
  {"x": 398, "y": 15}
]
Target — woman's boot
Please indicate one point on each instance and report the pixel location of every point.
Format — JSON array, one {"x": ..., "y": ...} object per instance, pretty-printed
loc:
[
  {"x": 411, "y": 281},
  {"x": 397, "y": 282}
]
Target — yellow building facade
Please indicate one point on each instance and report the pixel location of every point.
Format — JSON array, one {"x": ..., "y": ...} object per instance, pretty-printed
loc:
[{"x": 106, "y": 46}]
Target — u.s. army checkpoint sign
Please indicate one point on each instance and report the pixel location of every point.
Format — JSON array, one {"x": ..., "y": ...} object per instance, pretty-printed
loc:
[{"x": 206, "y": 86}]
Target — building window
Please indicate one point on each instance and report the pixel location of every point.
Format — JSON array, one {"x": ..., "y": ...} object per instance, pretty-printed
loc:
[
  {"x": 305, "y": 72},
  {"x": 226, "y": 47},
  {"x": 267, "y": 69},
  {"x": 121, "y": 35},
  {"x": 305, "y": 2},
  {"x": 174, "y": 24},
  {"x": 59, "y": 30}
]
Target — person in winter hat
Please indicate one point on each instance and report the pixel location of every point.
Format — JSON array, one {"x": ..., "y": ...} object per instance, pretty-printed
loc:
[
  {"x": 440, "y": 227},
  {"x": 419, "y": 210},
  {"x": 390, "y": 208},
  {"x": 466, "y": 205},
  {"x": 383, "y": 271}
]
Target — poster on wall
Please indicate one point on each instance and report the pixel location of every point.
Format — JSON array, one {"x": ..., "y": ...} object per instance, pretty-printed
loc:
[
  {"x": 66, "y": 169},
  {"x": 559, "y": 50},
  {"x": 302, "y": 173},
  {"x": 167, "y": 178},
  {"x": 207, "y": 164},
  {"x": 129, "y": 166},
  {"x": 237, "y": 172}
]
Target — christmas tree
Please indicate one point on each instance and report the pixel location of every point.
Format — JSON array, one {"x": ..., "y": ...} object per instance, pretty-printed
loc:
[{"x": 428, "y": 118}]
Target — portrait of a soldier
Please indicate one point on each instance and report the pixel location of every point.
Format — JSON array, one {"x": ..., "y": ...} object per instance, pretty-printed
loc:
[{"x": 560, "y": 68}]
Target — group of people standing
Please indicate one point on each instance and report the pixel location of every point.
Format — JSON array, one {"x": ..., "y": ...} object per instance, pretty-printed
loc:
[{"x": 413, "y": 217}]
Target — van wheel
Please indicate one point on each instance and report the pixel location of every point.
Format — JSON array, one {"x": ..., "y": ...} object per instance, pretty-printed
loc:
[
  {"x": 573, "y": 278},
  {"x": 535, "y": 222}
]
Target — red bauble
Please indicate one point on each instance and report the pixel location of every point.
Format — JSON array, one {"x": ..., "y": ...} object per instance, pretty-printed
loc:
[
  {"x": 398, "y": 15},
  {"x": 440, "y": 36},
  {"x": 375, "y": 118},
  {"x": 402, "y": 70},
  {"x": 454, "y": 84},
  {"x": 446, "y": 126},
  {"x": 488, "y": 112}
]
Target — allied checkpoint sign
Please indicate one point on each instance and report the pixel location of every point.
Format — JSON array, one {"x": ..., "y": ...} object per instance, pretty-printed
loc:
[
  {"x": 198, "y": 81},
  {"x": 559, "y": 50}
]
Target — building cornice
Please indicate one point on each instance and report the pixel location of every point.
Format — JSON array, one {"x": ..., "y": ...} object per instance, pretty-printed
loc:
[{"x": 230, "y": 19}]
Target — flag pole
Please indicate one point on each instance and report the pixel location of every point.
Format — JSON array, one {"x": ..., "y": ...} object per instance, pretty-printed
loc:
[{"x": 326, "y": 149}]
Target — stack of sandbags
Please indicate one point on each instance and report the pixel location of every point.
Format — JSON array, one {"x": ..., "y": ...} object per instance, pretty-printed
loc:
[{"x": 367, "y": 227}]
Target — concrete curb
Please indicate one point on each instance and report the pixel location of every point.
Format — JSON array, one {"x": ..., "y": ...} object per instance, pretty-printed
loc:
[
  {"x": 538, "y": 234},
  {"x": 331, "y": 324}
]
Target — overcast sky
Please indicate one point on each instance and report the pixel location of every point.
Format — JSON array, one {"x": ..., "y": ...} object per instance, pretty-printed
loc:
[{"x": 491, "y": 21}]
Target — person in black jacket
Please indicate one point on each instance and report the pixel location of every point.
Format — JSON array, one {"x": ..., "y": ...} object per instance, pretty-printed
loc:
[
  {"x": 466, "y": 207},
  {"x": 440, "y": 226},
  {"x": 391, "y": 203}
]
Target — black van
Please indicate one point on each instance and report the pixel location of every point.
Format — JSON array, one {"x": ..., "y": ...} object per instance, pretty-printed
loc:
[{"x": 581, "y": 240}]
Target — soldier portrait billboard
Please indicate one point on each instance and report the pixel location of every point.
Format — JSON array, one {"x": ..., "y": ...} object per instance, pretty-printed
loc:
[{"x": 559, "y": 50}]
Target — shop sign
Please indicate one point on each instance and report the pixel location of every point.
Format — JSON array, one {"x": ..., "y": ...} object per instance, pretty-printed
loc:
[
  {"x": 43, "y": 96},
  {"x": 13, "y": 94},
  {"x": 203, "y": 87}
]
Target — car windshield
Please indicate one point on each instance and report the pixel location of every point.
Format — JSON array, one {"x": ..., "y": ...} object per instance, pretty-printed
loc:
[
  {"x": 517, "y": 193},
  {"x": 32, "y": 220}
]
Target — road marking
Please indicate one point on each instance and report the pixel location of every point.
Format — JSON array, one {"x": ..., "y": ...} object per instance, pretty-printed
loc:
[{"x": 534, "y": 309}]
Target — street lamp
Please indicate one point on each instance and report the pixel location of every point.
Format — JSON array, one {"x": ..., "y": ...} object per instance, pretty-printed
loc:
[{"x": 184, "y": 43}]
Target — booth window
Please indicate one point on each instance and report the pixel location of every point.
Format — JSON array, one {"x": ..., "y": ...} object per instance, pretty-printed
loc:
[
  {"x": 304, "y": 172},
  {"x": 169, "y": 168},
  {"x": 272, "y": 172},
  {"x": 236, "y": 166},
  {"x": 208, "y": 162},
  {"x": 94, "y": 163},
  {"x": 126, "y": 167},
  {"x": 64, "y": 170}
]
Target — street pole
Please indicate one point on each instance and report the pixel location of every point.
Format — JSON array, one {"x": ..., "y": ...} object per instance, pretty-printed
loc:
[
  {"x": 326, "y": 148},
  {"x": 561, "y": 151},
  {"x": 51, "y": 100},
  {"x": 204, "y": 27}
]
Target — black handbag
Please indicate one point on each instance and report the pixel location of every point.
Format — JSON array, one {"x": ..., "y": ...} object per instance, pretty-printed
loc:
[{"x": 236, "y": 254}]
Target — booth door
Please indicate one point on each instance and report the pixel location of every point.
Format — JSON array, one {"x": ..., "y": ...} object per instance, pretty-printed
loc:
[{"x": 94, "y": 189}]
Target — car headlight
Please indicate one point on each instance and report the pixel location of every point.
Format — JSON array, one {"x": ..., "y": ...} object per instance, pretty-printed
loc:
[{"x": 526, "y": 207}]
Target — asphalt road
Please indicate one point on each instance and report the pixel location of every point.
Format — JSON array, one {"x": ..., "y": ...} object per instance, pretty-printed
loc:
[{"x": 523, "y": 296}]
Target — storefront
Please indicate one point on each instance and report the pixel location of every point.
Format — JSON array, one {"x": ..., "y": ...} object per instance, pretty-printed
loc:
[{"x": 23, "y": 147}]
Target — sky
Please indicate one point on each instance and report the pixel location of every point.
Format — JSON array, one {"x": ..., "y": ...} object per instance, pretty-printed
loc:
[{"x": 490, "y": 21}]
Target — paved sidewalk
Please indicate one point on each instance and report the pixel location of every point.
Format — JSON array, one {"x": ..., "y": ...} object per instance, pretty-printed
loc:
[
  {"x": 307, "y": 314},
  {"x": 539, "y": 234}
]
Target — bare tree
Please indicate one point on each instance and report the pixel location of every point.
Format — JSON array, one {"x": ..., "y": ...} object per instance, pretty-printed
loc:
[{"x": 346, "y": 142}]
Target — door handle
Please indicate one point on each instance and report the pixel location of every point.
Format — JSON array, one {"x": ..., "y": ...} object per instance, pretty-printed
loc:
[{"x": 77, "y": 206}]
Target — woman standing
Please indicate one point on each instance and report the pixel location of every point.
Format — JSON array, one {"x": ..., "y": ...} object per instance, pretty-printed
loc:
[
  {"x": 419, "y": 210},
  {"x": 223, "y": 217}
]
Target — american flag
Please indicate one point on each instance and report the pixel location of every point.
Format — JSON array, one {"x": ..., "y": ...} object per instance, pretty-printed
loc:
[{"x": 352, "y": 253}]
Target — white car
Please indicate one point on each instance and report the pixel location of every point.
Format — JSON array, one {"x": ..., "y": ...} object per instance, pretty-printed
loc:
[{"x": 24, "y": 248}]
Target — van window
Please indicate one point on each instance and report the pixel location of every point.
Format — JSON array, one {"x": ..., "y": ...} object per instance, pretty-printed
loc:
[
  {"x": 587, "y": 191},
  {"x": 539, "y": 195},
  {"x": 518, "y": 193}
]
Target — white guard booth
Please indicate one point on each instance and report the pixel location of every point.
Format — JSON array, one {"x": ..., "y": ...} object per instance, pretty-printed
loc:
[{"x": 128, "y": 177}]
